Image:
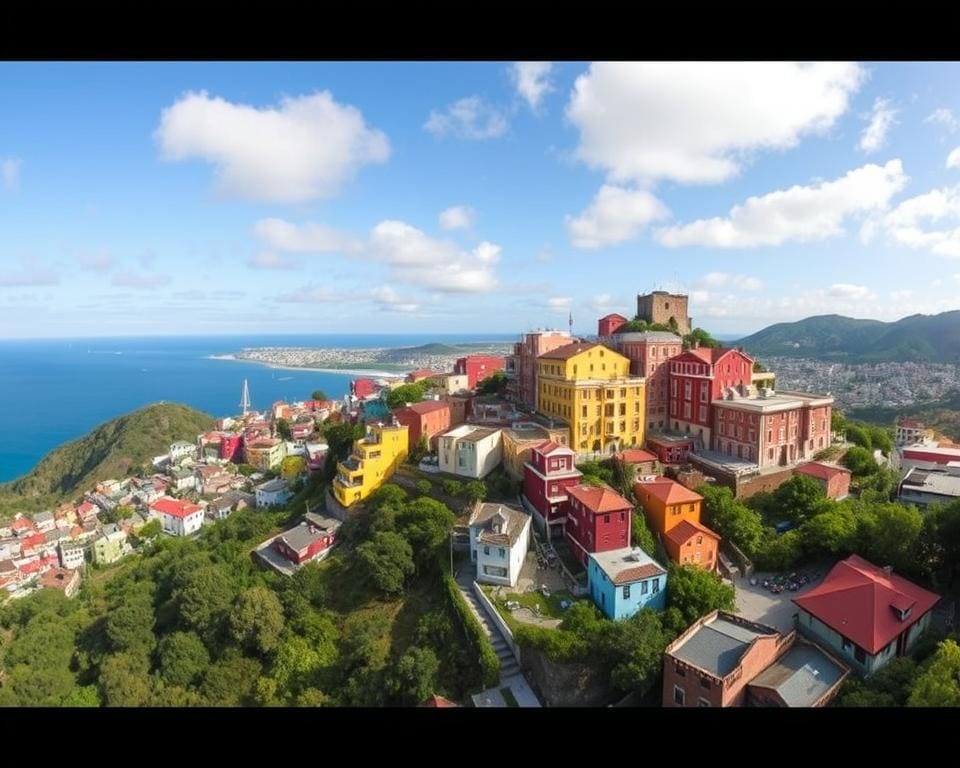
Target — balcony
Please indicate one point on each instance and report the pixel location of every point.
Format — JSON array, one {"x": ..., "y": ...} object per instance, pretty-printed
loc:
[
  {"x": 348, "y": 483},
  {"x": 352, "y": 464}
]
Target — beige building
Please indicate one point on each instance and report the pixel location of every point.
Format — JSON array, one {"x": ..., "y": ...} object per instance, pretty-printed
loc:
[
  {"x": 662, "y": 307},
  {"x": 518, "y": 441},
  {"x": 469, "y": 451}
]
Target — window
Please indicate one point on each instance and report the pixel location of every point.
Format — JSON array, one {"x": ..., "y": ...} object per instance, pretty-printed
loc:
[
  {"x": 722, "y": 425},
  {"x": 699, "y": 539},
  {"x": 583, "y": 411},
  {"x": 679, "y": 695},
  {"x": 626, "y": 592},
  {"x": 686, "y": 410},
  {"x": 486, "y": 550},
  {"x": 644, "y": 587},
  {"x": 656, "y": 586},
  {"x": 503, "y": 552},
  {"x": 606, "y": 518},
  {"x": 680, "y": 671},
  {"x": 846, "y": 644},
  {"x": 705, "y": 683},
  {"x": 702, "y": 702},
  {"x": 703, "y": 413}
]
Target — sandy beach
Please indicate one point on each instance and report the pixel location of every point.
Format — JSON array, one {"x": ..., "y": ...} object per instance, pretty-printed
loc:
[{"x": 364, "y": 372}]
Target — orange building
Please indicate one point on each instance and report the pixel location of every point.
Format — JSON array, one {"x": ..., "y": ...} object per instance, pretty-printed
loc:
[
  {"x": 689, "y": 543},
  {"x": 666, "y": 503}
]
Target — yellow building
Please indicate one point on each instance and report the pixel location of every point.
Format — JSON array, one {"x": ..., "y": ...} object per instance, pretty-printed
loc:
[
  {"x": 375, "y": 457},
  {"x": 265, "y": 453},
  {"x": 590, "y": 387},
  {"x": 292, "y": 467}
]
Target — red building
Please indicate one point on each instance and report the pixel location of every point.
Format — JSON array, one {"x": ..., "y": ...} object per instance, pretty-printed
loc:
[
  {"x": 608, "y": 325},
  {"x": 521, "y": 366},
  {"x": 546, "y": 477},
  {"x": 427, "y": 418},
  {"x": 363, "y": 388},
  {"x": 648, "y": 353},
  {"x": 697, "y": 378},
  {"x": 311, "y": 539},
  {"x": 231, "y": 448},
  {"x": 644, "y": 462},
  {"x": 670, "y": 449},
  {"x": 597, "y": 520},
  {"x": 478, "y": 367},
  {"x": 421, "y": 373},
  {"x": 834, "y": 480}
]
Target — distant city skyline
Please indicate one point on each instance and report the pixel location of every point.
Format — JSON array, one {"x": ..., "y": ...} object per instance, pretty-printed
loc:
[{"x": 302, "y": 198}]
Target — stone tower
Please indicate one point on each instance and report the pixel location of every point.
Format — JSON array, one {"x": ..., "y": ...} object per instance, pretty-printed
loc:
[{"x": 660, "y": 306}]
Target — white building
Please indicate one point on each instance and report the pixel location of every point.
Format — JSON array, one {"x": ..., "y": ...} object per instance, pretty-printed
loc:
[
  {"x": 181, "y": 450},
  {"x": 178, "y": 518},
  {"x": 910, "y": 431},
  {"x": 44, "y": 521},
  {"x": 923, "y": 487},
  {"x": 182, "y": 479},
  {"x": 470, "y": 451},
  {"x": 499, "y": 540},
  {"x": 71, "y": 555},
  {"x": 273, "y": 493}
]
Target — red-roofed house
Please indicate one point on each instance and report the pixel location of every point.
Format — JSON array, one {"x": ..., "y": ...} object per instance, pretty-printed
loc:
[
  {"x": 36, "y": 542},
  {"x": 363, "y": 388},
  {"x": 23, "y": 527},
  {"x": 834, "y": 480},
  {"x": 689, "y": 543},
  {"x": 865, "y": 614},
  {"x": 546, "y": 477},
  {"x": 644, "y": 461},
  {"x": 87, "y": 511},
  {"x": 428, "y": 418},
  {"x": 598, "y": 520},
  {"x": 607, "y": 325},
  {"x": 666, "y": 503},
  {"x": 438, "y": 702},
  {"x": 178, "y": 518}
]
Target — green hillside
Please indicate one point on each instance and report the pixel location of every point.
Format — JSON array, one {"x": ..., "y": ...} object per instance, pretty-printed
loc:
[
  {"x": 942, "y": 415},
  {"x": 918, "y": 338},
  {"x": 111, "y": 450}
]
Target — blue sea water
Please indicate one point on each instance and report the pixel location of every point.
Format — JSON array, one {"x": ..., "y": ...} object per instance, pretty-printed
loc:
[{"x": 56, "y": 390}]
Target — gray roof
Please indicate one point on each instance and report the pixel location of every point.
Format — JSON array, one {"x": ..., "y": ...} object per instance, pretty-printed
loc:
[
  {"x": 801, "y": 676},
  {"x": 328, "y": 524},
  {"x": 42, "y": 517},
  {"x": 478, "y": 434},
  {"x": 482, "y": 517},
  {"x": 718, "y": 645},
  {"x": 56, "y": 534},
  {"x": 109, "y": 528},
  {"x": 274, "y": 486},
  {"x": 657, "y": 336},
  {"x": 301, "y": 537}
]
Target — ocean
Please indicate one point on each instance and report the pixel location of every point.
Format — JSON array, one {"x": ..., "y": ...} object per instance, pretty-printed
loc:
[{"x": 56, "y": 390}]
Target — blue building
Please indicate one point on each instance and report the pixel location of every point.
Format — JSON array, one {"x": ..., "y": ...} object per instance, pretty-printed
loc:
[{"x": 622, "y": 581}]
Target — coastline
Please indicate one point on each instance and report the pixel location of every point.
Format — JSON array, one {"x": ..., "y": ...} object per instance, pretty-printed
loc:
[{"x": 346, "y": 371}]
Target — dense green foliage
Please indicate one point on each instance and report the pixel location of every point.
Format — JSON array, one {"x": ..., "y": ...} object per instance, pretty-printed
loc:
[
  {"x": 942, "y": 415},
  {"x": 641, "y": 326},
  {"x": 693, "y": 592},
  {"x": 340, "y": 437},
  {"x": 407, "y": 393},
  {"x": 699, "y": 337},
  {"x": 494, "y": 384},
  {"x": 319, "y": 394},
  {"x": 474, "y": 634},
  {"x": 118, "y": 448},
  {"x": 283, "y": 429},
  {"x": 859, "y": 461}
]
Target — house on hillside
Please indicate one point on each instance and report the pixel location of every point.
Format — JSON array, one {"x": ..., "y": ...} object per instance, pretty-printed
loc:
[
  {"x": 499, "y": 540},
  {"x": 178, "y": 518},
  {"x": 623, "y": 581},
  {"x": 469, "y": 451},
  {"x": 690, "y": 543},
  {"x": 834, "y": 480},
  {"x": 110, "y": 546},
  {"x": 598, "y": 520},
  {"x": 273, "y": 493}
]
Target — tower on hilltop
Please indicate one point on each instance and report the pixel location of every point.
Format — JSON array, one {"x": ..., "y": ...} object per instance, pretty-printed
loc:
[
  {"x": 245, "y": 398},
  {"x": 660, "y": 307}
]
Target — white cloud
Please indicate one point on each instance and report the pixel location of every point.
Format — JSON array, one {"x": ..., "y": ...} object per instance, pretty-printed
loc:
[
  {"x": 532, "y": 81},
  {"x": 440, "y": 265},
  {"x": 721, "y": 279},
  {"x": 457, "y": 217},
  {"x": 28, "y": 277},
  {"x": 944, "y": 117},
  {"x": 908, "y": 224},
  {"x": 98, "y": 261},
  {"x": 692, "y": 121},
  {"x": 388, "y": 299},
  {"x": 615, "y": 215},
  {"x": 138, "y": 280},
  {"x": 849, "y": 291},
  {"x": 560, "y": 303},
  {"x": 953, "y": 159},
  {"x": 799, "y": 213},
  {"x": 305, "y": 238},
  {"x": 305, "y": 148},
  {"x": 272, "y": 260},
  {"x": 901, "y": 295},
  {"x": 882, "y": 119},
  {"x": 312, "y": 294},
  {"x": 10, "y": 173},
  {"x": 469, "y": 118}
]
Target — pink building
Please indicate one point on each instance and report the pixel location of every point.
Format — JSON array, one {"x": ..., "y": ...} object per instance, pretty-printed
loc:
[
  {"x": 478, "y": 367},
  {"x": 648, "y": 353},
  {"x": 521, "y": 366},
  {"x": 609, "y": 324}
]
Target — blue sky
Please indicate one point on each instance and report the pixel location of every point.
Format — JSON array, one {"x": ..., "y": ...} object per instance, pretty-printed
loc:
[{"x": 149, "y": 199}]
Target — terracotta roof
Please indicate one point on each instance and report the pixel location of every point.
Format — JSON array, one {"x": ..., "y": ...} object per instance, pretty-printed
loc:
[
  {"x": 613, "y": 314},
  {"x": 545, "y": 449},
  {"x": 638, "y": 573},
  {"x": 682, "y": 531},
  {"x": 668, "y": 491},
  {"x": 22, "y": 524},
  {"x": 438, "y": 701},
  {"x": 568, "y": 350},
  {"x": 599, "y": 500},
  {"x": 713, "y": 356},
  {"x": 636, "y": 456},
  {"x": 174, "y": 507},
  {"x": 863, "y": 602},
  {"x": 910, "y": 424},
  {"x": 426, "y": 406},
  {"x": 822, "y": 471}
]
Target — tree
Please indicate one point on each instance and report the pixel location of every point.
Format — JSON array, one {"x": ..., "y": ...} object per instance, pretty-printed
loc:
[
  {"x": 452, "y": 487},
  {"x": 494, "y": 384},
  {"x": 880, "y": 439},
  {"x": 232, "y": 680},
  {"x": 858, "y": 435},
  {"x": 623, "y": 476},
  {"x": 695, "y": 592},
  {"x": 759, "y": 367},
  {"x": 475, "y": 490},
  {"x": 837, "y": 423},
  {"x": 405, "y": 393},
  {"x": 635, "y": 648},
  {"x": 641, "y": 535},
  {"x": 939, "y": 684},
  {"x": 414, "y": 678},
  {"x": 246, "y": 469},
  {"x": 800, "y": 498},
  {"x": 880, "y": 486},
  {"x": 339, "y": 437},
  {"x": 731, "y": 519},
  {"x": 701, "y": 337},
  {"x": 426, "y": 525},
  {"x": 831, "y": 532},
  {"x": 424, "y": 487},
  {"x": 388, "y": 495},
  {"x": 421, "y": 449},
  {"x": 204, "y": 601},
  {"x": 596, "y": 470},
  {"x": 300, "y": 662},
  {"x": 779, "y": 552},
  {"x": 283, "y": 429},
  {"x": 939, "y": 543},
  {"x": 129, "y": 625},
  {"x": 183, "y": 658},
  {"x": 151, "y": 529},
  {"x": 124, "y": 680},
  {"x": 859, "y": 461},
  {"x": 889, "y": 534},
  {"x": 319, "y": 394},
  {"x": 386, "y": 561},
  {"x": 257, "y": 620}
]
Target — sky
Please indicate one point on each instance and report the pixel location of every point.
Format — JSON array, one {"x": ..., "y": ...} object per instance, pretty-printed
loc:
[{"x": 207, "y": 198}]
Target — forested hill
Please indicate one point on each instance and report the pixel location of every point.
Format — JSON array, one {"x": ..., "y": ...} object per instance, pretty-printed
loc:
[
  {"x": 109, "y": 450},
  {"x": 918, "y": 338},
  {"x": 943, "y": 415}
]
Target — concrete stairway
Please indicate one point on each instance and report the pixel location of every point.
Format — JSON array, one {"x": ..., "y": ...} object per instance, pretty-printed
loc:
[{"x": 509, "y": 667}]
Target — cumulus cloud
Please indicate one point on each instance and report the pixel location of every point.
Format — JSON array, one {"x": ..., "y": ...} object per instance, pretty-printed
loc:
[
  {"x": 882, "y": 119},
  {"x": 10, "y": 173},
  {"x": 953, "y": 159},
  {"x": 457, "y": 217},
  {"x": 944, "y": 117},
  {"x": 305, "y": 148},
  {"x": 930, "y": 221},
  {"x": 305, "y": 238},
  {"x": 97, "y": 261},
  {"x": 560, "y": 303},
  {"x": 272, "y": 260},
  {"x": 532, "y": 81},
  {"x": 29, "y": 277},
  {"x": 724, "y": 279},
  {"x": 147, "y": 282},
  {"x": 850, "y": 291},
  {"x": 469, "y": 118},
  {"x": 692, "y": 122},
  {"x": 800, "y": 213},
  {"x": 389, "y": 300},
  {"x": 615, "y": 215}
]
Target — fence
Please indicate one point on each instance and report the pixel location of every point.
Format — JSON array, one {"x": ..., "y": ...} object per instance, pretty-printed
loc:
[{"x": 497, "y": 619}]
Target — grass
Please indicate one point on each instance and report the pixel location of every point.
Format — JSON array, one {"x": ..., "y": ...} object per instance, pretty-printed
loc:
[
  {"x": 509, "y": 697},
  {"x": 549, "y": 606}
]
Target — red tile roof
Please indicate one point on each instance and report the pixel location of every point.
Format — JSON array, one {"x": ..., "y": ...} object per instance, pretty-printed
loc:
[
  {"x": 680, "y": 533},
  {"x": 668, "y": 491},
  {"x": 862, "y": 602},
  {"x": 174, "y": 507},
  {"x": 33, "y": 541},
  {"x": 568, "y": 350},
  {"x": 713, "y": 356},
  {"x": 636, "y": 456},
  {"x": 821, "y": 471},
  {"x": 612, "y": 315},
  {"x": 438, "y": 701},
  {"x": 22, "y": 524},
  {"x": 599, "y": 500},
  {"x": 426, "y": 406},
  {"x": 636, "y": 574},
  {"x": 548, "y": 447},
  {"x": 423, "y": 373},
  {"x": 910, "y": 424}
]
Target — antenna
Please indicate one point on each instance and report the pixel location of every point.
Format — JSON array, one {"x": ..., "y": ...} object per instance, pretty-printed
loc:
[{"x": 245, "y": 398}]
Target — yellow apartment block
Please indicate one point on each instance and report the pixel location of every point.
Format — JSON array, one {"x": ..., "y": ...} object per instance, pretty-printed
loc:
[
  {"x": 374, "y": 459},
  {"x": 590, "y": 387}
]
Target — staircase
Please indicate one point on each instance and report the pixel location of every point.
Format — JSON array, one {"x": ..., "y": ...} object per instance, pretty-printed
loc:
[{"x": 509, "y": 667}]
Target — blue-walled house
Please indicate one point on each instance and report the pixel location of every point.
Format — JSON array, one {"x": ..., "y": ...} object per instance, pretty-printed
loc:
[{"x": 622, "y": 581}]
